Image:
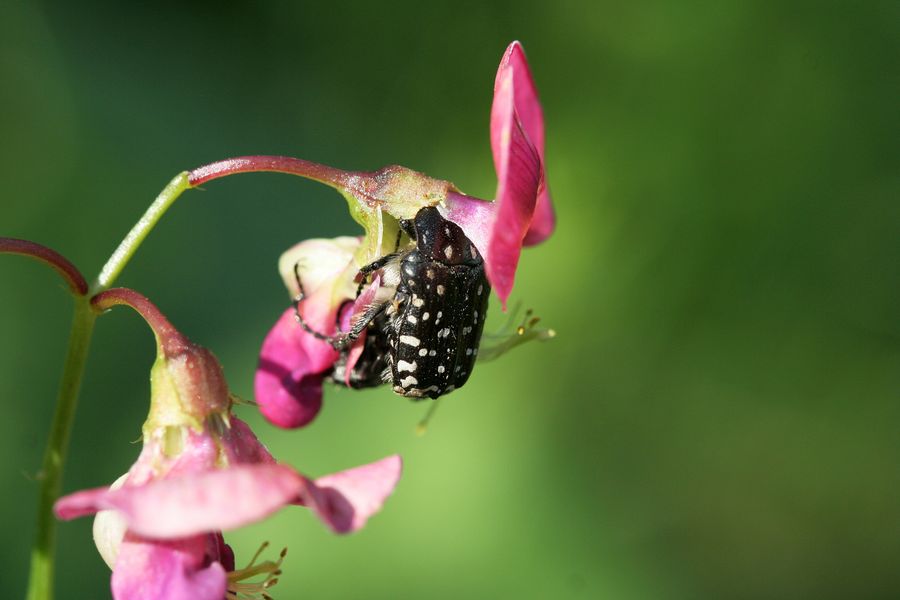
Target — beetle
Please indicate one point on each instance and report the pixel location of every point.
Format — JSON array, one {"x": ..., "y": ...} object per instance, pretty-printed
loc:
[{"x": 424, "y": 339}]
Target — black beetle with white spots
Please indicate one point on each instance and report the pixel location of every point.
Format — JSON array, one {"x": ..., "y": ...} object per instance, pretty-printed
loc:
[{"x": 424, "y": 339}]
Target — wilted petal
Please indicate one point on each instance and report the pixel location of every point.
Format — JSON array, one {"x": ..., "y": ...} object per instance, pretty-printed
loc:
[
  {"x": 345, "y": 500},
  {"x": 171, "y": 569},
  {"x": 518, "y": 167},
  {"x": 531, "y": 115},
  {"x": 183, "y": 506},
  {"x": 288, "y": 382}
]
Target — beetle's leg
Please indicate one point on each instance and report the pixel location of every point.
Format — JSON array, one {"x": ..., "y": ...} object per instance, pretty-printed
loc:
[
  {"x": 363, "y": 274},
  {"x": 345, "y": 340},
  {"x": 298, "y": 316}
]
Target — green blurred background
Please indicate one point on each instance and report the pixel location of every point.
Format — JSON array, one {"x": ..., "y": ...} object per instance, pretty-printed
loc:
[{"x": 718, "y": 416}]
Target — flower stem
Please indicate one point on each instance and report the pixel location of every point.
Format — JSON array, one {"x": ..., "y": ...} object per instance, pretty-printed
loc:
[
  {"x": 170, "y": 339},
  {"x": 273, "y": 164},
  {"x": 40, "y": 584},
  {"x": 51, "y": 258},
  {"x": 132, "y": 241}
]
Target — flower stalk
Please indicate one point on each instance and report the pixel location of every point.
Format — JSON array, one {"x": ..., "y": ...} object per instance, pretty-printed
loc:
[
  {"x": 139, "y": 232},
  {"x": 40, "y": 585}
]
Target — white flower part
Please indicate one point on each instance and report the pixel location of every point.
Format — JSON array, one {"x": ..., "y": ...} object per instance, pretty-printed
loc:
[
  {"x": 319, "y": 262},
  {"x": 109, "y": 529}
]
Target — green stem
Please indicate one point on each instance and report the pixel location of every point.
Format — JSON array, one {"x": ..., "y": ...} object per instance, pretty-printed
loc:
[
  {"x": 132, "y": 241},
  {"x": 40, "y": 585}
]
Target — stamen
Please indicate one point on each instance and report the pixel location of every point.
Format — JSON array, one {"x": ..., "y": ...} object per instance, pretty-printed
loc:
[
  {"x": 240, "y": 589},
  {"x": 494, "y": 345}
]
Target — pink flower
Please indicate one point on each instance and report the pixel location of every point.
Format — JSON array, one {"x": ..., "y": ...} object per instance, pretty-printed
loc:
[
  {"x": 293, "y": 363},
  {"x": 202, "y": 471},
  {"x": 522, "y": 213}
]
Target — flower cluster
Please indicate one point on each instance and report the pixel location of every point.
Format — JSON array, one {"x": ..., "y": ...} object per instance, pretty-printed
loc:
[
  {"x": 203, "y": 471},
  {"x": 295, "y": 359}
]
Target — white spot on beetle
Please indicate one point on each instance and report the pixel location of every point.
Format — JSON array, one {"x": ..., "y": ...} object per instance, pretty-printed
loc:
[
  {"x": 441, "y": 289},
  {"x": 468, "y": 352},
  {"x": 448, "y": 252},
  {"x": 480, "y": 289},
  {"x": 443, "y": 332},
  {"x": 402, "y": 365},
  {"x": 426, "y": 316},
  {"x": 473, "y": 250},
  {"x": 429, "y": 273},
  {"x": 412, "y": 319},
  {"x": 409, "y": 340},
  {"x": 432, "y": 353},
  {"x": 423, "y": 351},
  {"x": 447, "y": 229},
  {"x": 410, "y": 282},
  {"x": 410, "y": 380},
  {"x": 441, "y": 368},
  {"x": 417, "y": 302}
]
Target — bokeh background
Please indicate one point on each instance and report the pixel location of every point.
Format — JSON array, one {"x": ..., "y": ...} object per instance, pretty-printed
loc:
[{"x": 718, "y": 416}]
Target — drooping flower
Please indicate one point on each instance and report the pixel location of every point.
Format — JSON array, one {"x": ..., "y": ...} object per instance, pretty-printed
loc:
[
  {"x": 202, "y": 471},
  {"x": 293, "y": 361}
]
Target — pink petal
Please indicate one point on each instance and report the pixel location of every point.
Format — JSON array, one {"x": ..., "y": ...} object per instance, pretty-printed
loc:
[
  {"x": 518, "y": 167},
  {"x": 288, "y": 382},
  {"x": 187, "y": 505},
  {"x": 242, "y": 446},
  {"x": 174, "y": 570},
  {"x": 345, "y": 500},
  {"x": 531, "y": 116}
]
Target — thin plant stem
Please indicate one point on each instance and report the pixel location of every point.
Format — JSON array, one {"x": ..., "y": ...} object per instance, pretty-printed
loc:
[
  {"x": 132, "y": 241},
  {"x": 40, "y": 583}
]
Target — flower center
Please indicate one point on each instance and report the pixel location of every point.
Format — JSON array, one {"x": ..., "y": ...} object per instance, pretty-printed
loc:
[{"x": 241, "y": 589}]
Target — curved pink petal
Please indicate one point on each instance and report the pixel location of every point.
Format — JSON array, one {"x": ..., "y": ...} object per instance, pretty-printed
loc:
[
  {"x": 202, "y": 502},
  {"x": 241, "y": 445},
  {"x": 518, "y": 167},
  {"x": 531, "y": 115},
  {"x": 81, "y": 504},
  {"x": 174, "y": 570},
  {"x": 288, "y": 382},
  {"x": 345, "y": 500}
]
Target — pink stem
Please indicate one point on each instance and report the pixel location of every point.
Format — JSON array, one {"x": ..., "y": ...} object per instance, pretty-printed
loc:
[
  {"x": 172, "y": 340},
  {"x": 278, "y": 164},
  {"x": 77, "y": 284}
]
